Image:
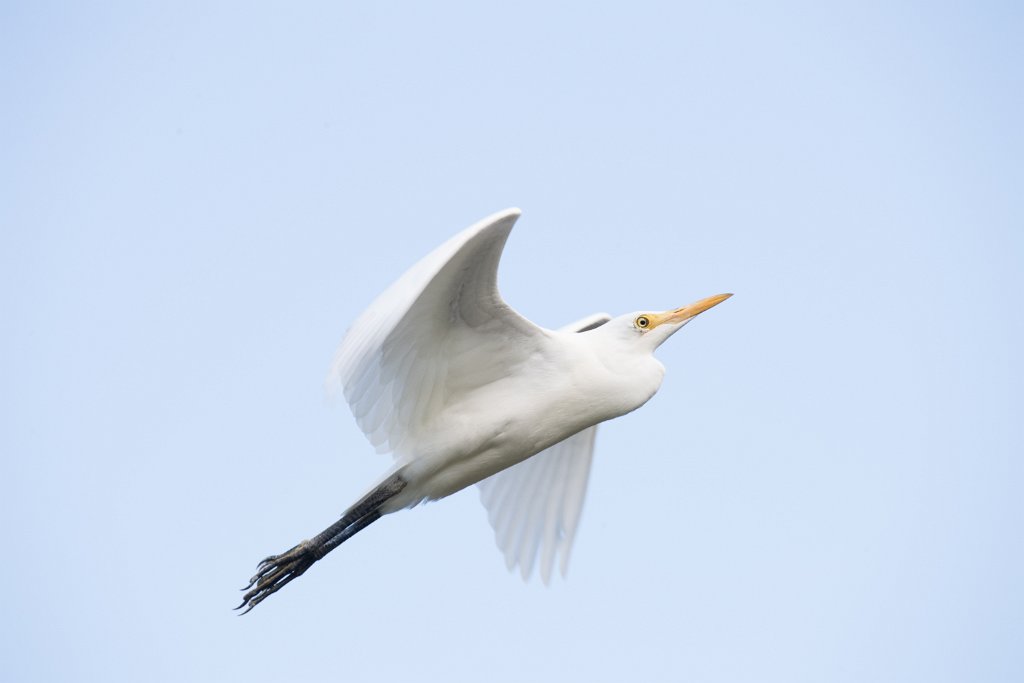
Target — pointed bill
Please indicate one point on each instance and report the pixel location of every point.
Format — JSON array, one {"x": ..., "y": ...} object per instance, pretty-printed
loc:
[{"x": 683, "y": 314}]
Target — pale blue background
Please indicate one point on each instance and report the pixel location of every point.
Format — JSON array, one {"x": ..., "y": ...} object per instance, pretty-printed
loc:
[{"x": 197, "y": 199}]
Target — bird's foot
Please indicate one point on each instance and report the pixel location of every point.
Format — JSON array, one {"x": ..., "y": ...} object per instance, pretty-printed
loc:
[{"x": 274, "y": 573}]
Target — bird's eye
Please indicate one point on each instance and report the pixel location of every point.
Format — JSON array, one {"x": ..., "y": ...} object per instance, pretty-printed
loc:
[{"x": 642, "y": 322}]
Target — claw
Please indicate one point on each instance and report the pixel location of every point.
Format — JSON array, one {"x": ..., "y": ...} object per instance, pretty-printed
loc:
[{"x": 275, "y": 572}]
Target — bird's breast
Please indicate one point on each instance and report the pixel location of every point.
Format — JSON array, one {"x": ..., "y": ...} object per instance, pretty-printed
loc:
[{"x": 505, "y": 422}]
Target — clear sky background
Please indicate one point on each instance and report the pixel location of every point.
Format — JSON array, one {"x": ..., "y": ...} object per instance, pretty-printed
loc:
[{"x": 196, "y": 199}]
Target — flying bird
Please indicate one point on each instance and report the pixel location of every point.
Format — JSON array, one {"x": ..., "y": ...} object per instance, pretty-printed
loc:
[{"x": 461, "y": 389}]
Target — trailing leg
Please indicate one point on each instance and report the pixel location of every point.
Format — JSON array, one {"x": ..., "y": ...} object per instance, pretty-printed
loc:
[{"x": 276, "y": 571}]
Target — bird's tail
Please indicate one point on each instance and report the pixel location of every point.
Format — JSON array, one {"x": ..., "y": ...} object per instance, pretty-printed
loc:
[{"x": 276, "y": 571}]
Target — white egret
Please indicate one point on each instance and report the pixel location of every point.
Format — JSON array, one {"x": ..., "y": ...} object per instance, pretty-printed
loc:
[{"x": 463, "y": 390}]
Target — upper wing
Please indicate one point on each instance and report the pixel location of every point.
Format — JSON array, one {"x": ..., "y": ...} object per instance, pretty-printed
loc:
[
  {"x": 439, "y": 332},
  {"x": 536, "y": 504}
]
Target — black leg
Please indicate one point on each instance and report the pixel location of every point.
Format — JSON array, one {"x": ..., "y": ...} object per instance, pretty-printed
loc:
[{"x": 276, "y": 571}]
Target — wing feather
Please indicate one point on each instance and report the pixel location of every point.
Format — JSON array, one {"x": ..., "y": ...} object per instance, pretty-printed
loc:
[
  {"x": 535, "y": 506},
  {"x": 440, "y": 331}
]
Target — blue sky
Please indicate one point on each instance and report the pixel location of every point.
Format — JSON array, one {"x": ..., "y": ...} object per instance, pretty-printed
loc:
[{"x": 196, "y": 199}]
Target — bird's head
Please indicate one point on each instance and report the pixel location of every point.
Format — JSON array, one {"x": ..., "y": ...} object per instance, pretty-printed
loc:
[{"x": 652, "y": 329}]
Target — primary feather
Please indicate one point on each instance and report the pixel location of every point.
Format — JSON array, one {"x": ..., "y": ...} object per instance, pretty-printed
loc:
[{"x": 535, "y": 506}]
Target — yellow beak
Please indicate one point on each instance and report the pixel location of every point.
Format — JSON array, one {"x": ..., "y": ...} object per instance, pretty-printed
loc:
[{"x": 686, "y": 312}]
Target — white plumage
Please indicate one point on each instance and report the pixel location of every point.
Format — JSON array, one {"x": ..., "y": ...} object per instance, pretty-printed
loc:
[
  {"x": 536, "y": 504},
  {"x": 461, "y": 389}
]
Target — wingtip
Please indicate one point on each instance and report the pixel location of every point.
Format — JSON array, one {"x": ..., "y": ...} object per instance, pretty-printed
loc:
[
  {"x": 502, "y": 220},
  {"x": 512, "y": 212}
]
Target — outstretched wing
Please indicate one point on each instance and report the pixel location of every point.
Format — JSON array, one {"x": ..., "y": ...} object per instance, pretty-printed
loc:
[
  {"x": 536, "y": 504},
  {"x": 439, "y": 332}
]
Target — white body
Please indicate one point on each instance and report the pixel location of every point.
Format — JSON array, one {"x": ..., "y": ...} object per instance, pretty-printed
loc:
[
  {"x": 504, "y": 422},
  {"x": 461, "y": 389}
]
